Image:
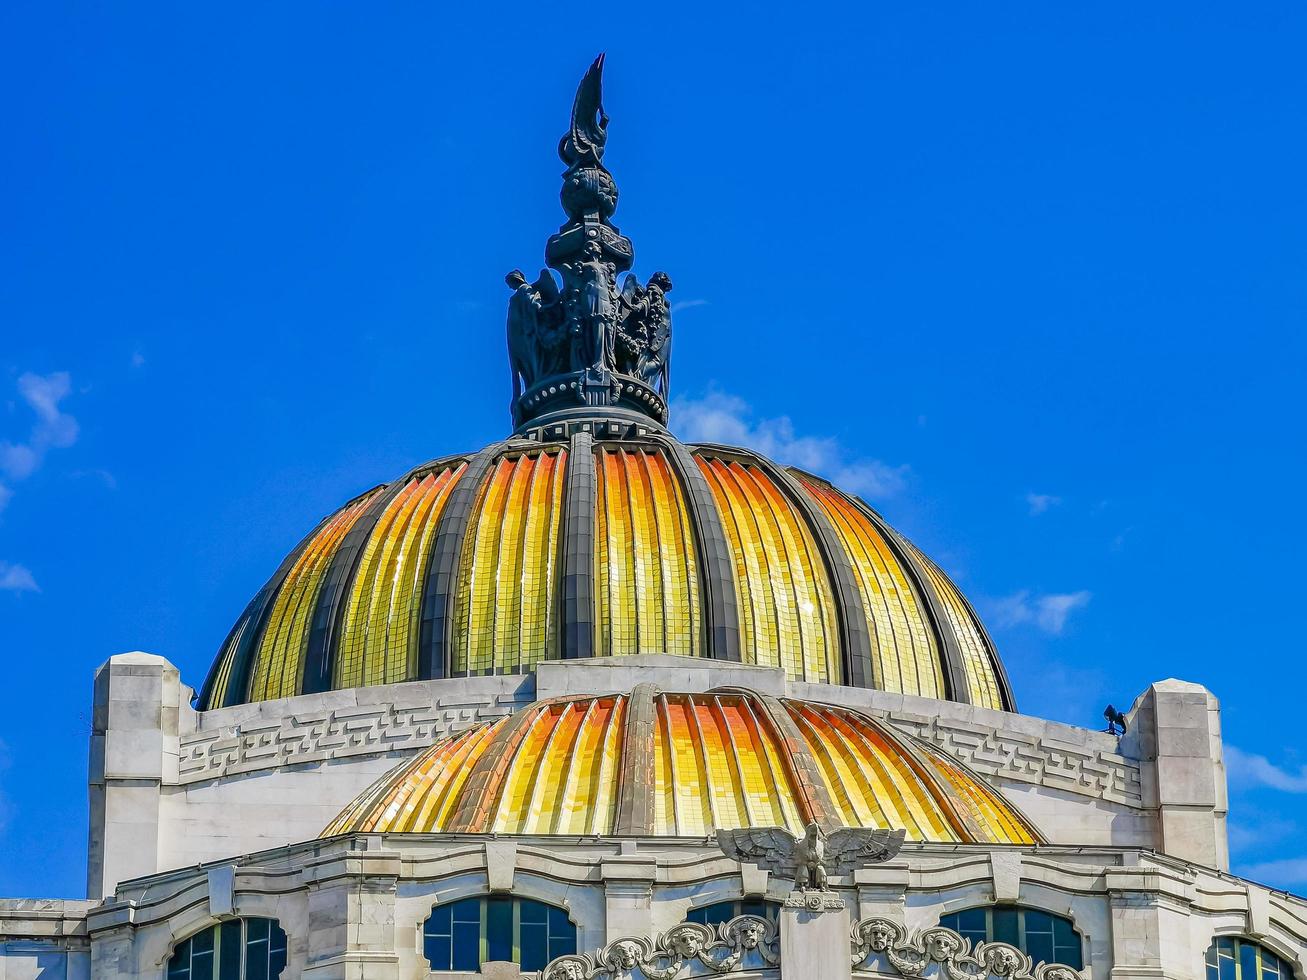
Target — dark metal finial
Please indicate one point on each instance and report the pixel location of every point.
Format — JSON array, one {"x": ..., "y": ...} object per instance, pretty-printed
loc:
[
  {"x": 596, "y": 347},
  {"x": 583, "y": 145}
]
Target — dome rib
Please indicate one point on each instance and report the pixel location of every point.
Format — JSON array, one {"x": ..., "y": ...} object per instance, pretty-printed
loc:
[
  {"x": 576, "y": 590},
  {"x": 721, "y": 613},
  {"x": 434, "y": 638},
  {"x": 323, "y": 627},
  {"x": 687, "y": 764},
  {"x": 855, "y": 630}
]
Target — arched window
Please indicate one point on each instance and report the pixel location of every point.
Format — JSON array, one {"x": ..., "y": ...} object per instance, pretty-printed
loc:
[
  {"x": 1231, "y": 958},
  {"x": 238, "y": 949},
  {"x": 715, "y": 915},
  {"x": 462, "y": 935},
  {"x": 1042, "y": 936}
]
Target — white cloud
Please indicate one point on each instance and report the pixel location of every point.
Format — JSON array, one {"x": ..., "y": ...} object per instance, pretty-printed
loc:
[
  {"x": 688, "y": 304},
  {"x": 1048, "y": 612},
  {"x": 138, "y": 359},
  {"x": 54, "y": 428},
  {"x": 722, "y": 418},
  {"x": 1285, "y": 872},
  {"x": 16, "y": 578},
  {"x": 1250, "y": 770},
  {"x": 1041, "y": 502}
]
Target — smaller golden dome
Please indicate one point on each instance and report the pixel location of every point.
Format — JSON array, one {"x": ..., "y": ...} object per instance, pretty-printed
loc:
[{"x": 654, "y": 764}]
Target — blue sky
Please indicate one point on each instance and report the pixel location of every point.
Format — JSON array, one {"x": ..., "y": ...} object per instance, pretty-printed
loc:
[{"x": 1029, "y": 276}]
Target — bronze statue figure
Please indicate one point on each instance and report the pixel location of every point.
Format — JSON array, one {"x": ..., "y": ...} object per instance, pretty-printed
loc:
[{"x": 534, "y": 316}]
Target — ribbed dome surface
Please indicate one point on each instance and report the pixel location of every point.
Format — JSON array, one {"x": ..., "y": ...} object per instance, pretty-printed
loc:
[
  {"x": 530, "y": 551},
  {"x": 728, "y": 758}
]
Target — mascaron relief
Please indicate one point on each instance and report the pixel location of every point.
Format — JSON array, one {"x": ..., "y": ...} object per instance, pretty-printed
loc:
[{"x": 750, "y": 943}]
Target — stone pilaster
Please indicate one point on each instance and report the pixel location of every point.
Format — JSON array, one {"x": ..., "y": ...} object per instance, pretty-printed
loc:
[
  {"x": 352, "y": 917},
  {"x": 882, "y": 890},
  {"x": 815, "y": 943},
  {"x": 628, "y": 895},
  {"x": 134, "y": 752},
  {"x": 1151, "y": 936},
  {"x": 1175, "y": 733}
]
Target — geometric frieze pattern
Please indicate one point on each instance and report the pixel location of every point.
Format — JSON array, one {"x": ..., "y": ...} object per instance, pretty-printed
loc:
[
  {"x": 333, "y": 734},
  {"x": 361, "y": 730},
  {"x": 750, "y": 946},
  {"x": 1045, "y": 761}
]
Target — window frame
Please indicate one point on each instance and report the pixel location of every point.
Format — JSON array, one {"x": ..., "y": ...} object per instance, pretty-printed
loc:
[
  {"x": 1021, "y": 911},
  {"x": 218, "y": 934},
  {"x": 555, "y": 943},
  {"x": 1238, "y": 943}
]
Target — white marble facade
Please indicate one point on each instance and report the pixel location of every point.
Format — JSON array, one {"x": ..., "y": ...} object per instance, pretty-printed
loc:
[{"x": 201, "y": 817}]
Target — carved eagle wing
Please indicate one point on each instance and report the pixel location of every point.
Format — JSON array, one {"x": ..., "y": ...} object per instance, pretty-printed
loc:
[
  {"x": 767, "y": 847},
  {"x": 851, "y": 848}
]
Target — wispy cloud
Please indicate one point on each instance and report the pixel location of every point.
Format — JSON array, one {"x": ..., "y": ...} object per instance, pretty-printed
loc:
[
  {"x": 688, "y": 304},
  {"x": 138, "y": 359},
  {"x": 16, "y": 578},
  {"x": 53, "y": 429},
  {"x": 722, "y": 418},
  {"x": 1285, "y": 872},
  {"x": 1048, "y": 612},
  {"x": 1040, "y": 503},
  {"x": 1262, "y": 832},
  {"x": 1249, "y": 770}
]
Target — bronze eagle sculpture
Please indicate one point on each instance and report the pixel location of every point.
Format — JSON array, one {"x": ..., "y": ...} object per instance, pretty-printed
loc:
[{"x": 810, "y": 858}]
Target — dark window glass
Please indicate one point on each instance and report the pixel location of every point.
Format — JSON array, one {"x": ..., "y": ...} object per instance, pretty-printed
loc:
[
  {"x": 229, "y": 951},
  {"x": 1006, "y": 928},
  {"x": 719, "y": 912},
  {"x": 534, "y": 945},
  {"x": 238, "y": 949},
  {"x": 499, "y": 929},
  {"x": 1232, "y": 958},
  {"x": 463, "y": 935},
  {"x": 1042, "y": 936},
  {"x": 179, "y": 967}
]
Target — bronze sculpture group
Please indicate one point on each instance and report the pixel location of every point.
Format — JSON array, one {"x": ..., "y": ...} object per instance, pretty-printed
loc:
[{"x": 588, "y": 338}]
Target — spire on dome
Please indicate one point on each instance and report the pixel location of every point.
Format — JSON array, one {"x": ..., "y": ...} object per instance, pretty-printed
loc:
[{"x": 590, "y": 349}]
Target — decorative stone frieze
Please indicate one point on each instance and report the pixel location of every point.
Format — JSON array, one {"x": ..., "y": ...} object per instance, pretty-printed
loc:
[
  {"x": 1028, "y": 758},
  {"x": 878, "y": 943},
  {"x": 332, "y": 734},
  {"x": 748, "y": 944}
]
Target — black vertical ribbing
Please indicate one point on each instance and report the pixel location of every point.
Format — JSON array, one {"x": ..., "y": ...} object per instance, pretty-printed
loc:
[
  {"x": 910, "y": 555},
  {"x": 439, "y": 583},
  {"x": 855, "y": 627},
  {"x": 956, "y": 674},
  {"x": 576, "y": 596},
  {"x": 255, "y": 613},
  {"x": 320, "y": 656},
  {"x": 716, "y": 562}
]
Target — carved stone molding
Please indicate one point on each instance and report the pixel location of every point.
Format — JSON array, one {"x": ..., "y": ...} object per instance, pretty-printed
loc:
[
  {"x": 334, "y": 734},
  {"x": 747, "y": 944},
  {"x": 1082, "y": 769},
  {"x": 878, "y": 943}
]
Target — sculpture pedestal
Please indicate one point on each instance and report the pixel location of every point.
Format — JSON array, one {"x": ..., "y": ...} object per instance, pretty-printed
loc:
[{"x": 815, "y": 937}]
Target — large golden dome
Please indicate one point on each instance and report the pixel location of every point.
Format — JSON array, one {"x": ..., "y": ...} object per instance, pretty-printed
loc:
[
  {"x": 650, "y": 763},
  {"x": 605, "y": 538}
]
